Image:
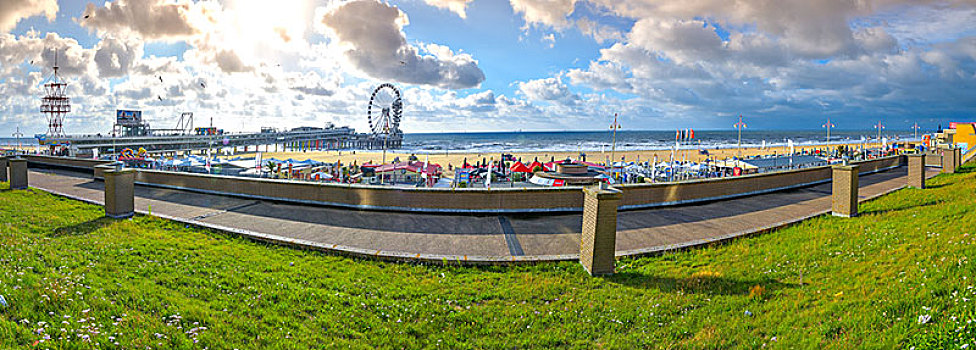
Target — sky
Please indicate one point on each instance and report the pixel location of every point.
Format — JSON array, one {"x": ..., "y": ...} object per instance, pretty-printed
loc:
[{"x": 494, "y": 65}]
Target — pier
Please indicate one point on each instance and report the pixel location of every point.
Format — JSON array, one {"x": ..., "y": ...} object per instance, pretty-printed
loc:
[{"x": 296, "y": 139}]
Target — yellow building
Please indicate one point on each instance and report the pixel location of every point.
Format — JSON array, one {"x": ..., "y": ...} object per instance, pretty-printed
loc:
[{"x": 962, "y": 135}]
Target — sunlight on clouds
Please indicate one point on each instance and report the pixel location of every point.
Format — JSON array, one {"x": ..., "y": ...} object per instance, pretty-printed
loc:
[{"x": 12, "y": 11}]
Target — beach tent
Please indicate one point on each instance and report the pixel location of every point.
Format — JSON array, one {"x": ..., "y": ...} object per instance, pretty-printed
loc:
[
  {"x": 536, "y": 164},
  {"x": 518, "y": 167}
]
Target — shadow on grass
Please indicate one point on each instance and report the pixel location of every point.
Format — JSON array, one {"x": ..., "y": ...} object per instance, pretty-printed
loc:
[
  {"x": 709, "y": 285},
  {"x": 83, "y": 228},
  {"x": 905, "y": 205}
]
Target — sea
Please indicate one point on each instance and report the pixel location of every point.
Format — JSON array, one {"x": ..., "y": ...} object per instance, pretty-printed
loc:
[
  {"x": 493, "y": 142},
  {"x": 569, "y": 141}
]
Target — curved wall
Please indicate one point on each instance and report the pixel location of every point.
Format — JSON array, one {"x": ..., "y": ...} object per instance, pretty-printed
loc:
[
  {"x": 472, "y": 200},
  {"x": 64, "y": 162}
]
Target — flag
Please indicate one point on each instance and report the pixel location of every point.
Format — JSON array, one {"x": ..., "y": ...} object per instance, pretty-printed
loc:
[
  {"x": 692, "y": 134},
  {"x": 677, "y": 135},
  {"x": 423, "y": 173},
  {"x": 488, "y": 179}
]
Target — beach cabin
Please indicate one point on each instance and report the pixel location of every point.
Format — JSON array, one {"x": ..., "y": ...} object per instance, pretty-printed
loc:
[
  {"x": 408, "y": 172},
  {"x": 961, "y": 135}
]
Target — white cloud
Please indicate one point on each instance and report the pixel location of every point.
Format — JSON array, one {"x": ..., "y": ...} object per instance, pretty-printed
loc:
[
  {"x": 548, "y": 89},
  {"x": 371, "y": 35},
  {"x": 478, "y": 102},
  {"x": 456, "y": 6},
  {"x": 550, "y": 13},
  {"x": 12, "y": 11},
  {"x": 598, "y": 32},
  {"x": 601, "y": 76},
  {"x": 73, "y": 59},
  {"x": 150, "y": 19}
]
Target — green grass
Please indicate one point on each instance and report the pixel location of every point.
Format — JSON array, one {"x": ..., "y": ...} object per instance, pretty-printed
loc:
[{"x": 76, "y": 280}]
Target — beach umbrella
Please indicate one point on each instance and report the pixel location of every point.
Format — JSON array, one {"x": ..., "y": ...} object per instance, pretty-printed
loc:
[{"x": 606, "y": 178}]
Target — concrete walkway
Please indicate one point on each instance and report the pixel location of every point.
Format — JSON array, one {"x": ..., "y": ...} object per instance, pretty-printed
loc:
[{"x": 475, "y": 239}]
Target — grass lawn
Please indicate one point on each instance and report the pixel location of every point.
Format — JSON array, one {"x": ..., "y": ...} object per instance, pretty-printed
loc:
[{"x": 898, "y": 276}]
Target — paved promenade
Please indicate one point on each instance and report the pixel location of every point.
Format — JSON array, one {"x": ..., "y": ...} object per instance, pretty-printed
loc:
[{"x": 483, "y": 238}]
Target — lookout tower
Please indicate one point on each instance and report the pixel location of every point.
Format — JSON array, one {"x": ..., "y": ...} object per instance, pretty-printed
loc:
[{"x": 55, "y": 105}]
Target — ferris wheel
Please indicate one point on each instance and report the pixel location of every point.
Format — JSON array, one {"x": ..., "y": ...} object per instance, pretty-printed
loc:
[{"x": 385, "y": 110}]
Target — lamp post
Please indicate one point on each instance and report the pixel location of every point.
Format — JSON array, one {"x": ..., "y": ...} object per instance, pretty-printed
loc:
[
  {"x": 17, "y": 134},
  {"x": 613, "y": 147},
  {"x": 916, "y": 127},
  {"x": 386, "y": 136},
  {"x": 828, "y": 126},
  {"x": 880, "y": 127},
  {"x": 740, "y": 125}
]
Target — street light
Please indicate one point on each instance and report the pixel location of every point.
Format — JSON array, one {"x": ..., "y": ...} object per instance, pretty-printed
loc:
[
  {"x": 17, "y": 134},
  {"x": 613, "y": 147},
  {"x": 740, "y": 125},
  {"x": 828, "y": 126},
  {"x": 880, "y": 127}
]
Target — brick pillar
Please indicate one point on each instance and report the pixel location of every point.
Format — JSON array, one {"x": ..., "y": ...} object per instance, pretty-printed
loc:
[
  {"x": 844, "y": 196},
  {"x": 949, "y": 161},
  {"x": 598, "y": 243},
  {"x": 119, "y": 193},
  {"x": 3, "y": 169},
  {"x": 18, "y": 173},
  {"x": 958, "y": 153},
  {"x": 916, "y": 170}
]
